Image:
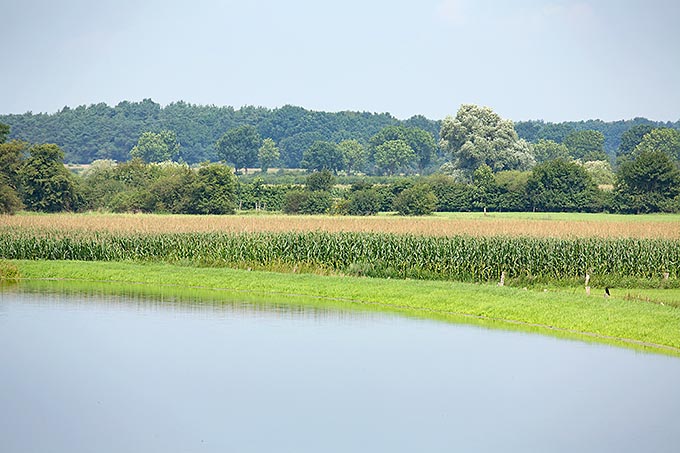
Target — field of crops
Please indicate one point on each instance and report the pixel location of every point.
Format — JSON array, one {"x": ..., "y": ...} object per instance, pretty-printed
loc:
[
  {"x": 461, "y": 257},
  {"x": 473, "y": 224}
]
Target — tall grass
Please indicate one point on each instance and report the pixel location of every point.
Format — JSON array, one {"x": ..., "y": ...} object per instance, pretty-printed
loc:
[{"x": 462, "y": 258}]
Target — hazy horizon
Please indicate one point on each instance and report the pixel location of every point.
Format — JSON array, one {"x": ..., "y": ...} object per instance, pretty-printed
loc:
[{"x": 550, "y": 60}]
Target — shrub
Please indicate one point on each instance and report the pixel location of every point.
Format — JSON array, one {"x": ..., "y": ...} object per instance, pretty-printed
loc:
[
  {"x": 320, "y": 181},
  {"x": 364, "y": 202},
  {"x": 417, "y": 200},
  {"x": 307, "y": 202},
  {"x": 9, "y": 200}
]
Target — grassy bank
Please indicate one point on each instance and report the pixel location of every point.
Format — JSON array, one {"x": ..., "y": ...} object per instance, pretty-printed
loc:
[{"x": 569, "y": 312}]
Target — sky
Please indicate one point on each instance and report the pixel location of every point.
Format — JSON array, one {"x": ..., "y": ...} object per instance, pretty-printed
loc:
[{"x": 554, "y": 60}]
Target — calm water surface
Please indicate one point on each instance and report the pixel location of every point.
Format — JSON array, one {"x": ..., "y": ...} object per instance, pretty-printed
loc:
[{"x": 96, "y": 373}]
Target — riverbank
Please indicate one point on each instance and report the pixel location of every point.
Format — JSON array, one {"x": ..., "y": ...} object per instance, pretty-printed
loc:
[{"x": 619, "y": 319}]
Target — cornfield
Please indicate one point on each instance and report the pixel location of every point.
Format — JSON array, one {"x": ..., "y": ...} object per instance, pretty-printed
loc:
[{"x": 461, "y": 258}]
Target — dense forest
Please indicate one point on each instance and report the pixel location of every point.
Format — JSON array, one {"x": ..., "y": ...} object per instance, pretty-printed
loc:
[
  {"x": 88, "y": 133},
  {"x": 99, "y": 131}
]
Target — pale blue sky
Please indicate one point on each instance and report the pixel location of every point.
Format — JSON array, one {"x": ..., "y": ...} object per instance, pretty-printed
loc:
[{"x": 527, "y": 59}]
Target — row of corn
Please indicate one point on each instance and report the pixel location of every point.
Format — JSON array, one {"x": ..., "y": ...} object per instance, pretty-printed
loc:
[{"x": 463, "y": 258}]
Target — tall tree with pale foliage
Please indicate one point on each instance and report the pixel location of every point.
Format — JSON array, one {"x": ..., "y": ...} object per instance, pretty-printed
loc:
[{"x": 478, "y": 135}]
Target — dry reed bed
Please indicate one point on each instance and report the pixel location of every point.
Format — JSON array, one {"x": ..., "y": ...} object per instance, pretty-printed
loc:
[{"x": 431, "y": 226}]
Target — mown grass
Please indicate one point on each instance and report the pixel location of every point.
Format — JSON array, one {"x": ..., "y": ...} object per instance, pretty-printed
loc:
[{"x": 562, "y": 312}]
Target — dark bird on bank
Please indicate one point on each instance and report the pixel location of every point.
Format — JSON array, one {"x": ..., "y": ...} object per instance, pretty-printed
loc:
[{"x": 606, "y": 292}]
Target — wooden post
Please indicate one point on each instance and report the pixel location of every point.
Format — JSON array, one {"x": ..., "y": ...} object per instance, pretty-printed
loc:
[{"x": 502, "y": 282}]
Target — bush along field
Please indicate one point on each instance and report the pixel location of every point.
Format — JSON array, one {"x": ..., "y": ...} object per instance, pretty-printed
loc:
[{"x": 623, "y": 262}]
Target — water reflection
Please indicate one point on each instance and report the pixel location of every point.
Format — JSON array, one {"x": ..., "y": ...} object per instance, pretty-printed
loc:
[
  {"x": 82, "y": 370},
  {"x": 148, "y": 298},
  {"x": 179, "y": 301}
]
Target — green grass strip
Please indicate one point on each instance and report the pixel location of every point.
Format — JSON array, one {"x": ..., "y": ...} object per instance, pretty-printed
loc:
[{"x": 560, "y": 312}]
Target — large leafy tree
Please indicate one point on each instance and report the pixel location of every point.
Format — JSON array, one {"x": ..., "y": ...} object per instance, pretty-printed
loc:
[
  {"x": 586, "y": 145},
  {"x": 485, "y": 187},
  {"x": 648, "y": 180},
  {"x": 239, "y": 146},
  {"x": 632, "y": 137},
  {"x": 477, "y": 135},
  {"x": 214, "y": 191},
  {"x": 354, "y": 155},
  {"x": 393, "y": 155},
  {"x": 560, "y": 185},
  {"x": 268, "y": 154},
  {"x": 423, "y": 144},
  {"x": 46, "y": 184},
  {"x": 420, "y": 141},
  {"x": 292, "y": 147},
  {"x": 323, "y": 156},
  {"x": 11, "y": 160},
  {"x": 545, "y": 150},
  {"x": 156, "y": 147},
  {"x": 663, "y": 139}
]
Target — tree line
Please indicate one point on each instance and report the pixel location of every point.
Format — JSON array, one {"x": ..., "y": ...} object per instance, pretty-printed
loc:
[
  {"x": 479, "y": 162},
  {"x": 99, "y": 131}
]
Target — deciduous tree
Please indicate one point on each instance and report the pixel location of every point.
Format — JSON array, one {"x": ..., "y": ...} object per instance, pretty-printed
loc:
[
  {"x": 214, "y": 191},
  {"x": 354, "y": 155},
  {"x": 424, "y": 146},
  {"x": 546, "y": 150},
  {"x": 11, "y": 160},
  {"x": 239, "y": 146},
  {"x": 632, "y": 137},
  {"x": 156, "y": 147},
  {"x": 46, "y": 184},
  {"x": 323, "y": 156},
  {"x": 420, "y": 141},
  {"x": 586, "y": 145},
  {"x": 268, "y": 154},
  {"x": 393, "y": 155},
  {"x": 477, "y": 135},
  {"x": 648, "y": 180},
  {"x": 662, "y": 139},
  {"x": 560, "y": 185}
]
